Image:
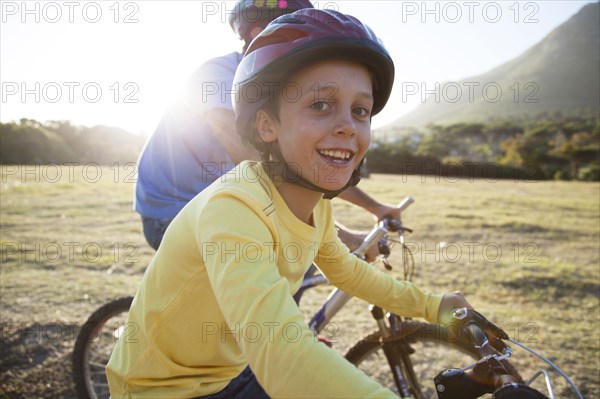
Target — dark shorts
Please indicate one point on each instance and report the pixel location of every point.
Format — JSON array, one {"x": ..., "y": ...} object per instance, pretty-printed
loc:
[
  {"x": 244, "y": 386},
  {"x": 154, "y": 230}
]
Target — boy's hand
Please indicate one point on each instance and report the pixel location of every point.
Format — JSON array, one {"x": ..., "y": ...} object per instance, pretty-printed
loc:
[
  {"x": 457, "y": 300},
  {"x": 448, "y": 304}
]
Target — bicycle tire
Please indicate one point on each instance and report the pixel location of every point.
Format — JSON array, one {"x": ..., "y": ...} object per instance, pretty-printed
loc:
[
  {"x": 433, "y": 353},
  {"x": 94, "y": 345}
]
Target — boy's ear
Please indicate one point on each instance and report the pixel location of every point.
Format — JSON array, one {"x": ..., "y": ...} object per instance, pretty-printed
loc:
[{"x": 266, "y": 126}]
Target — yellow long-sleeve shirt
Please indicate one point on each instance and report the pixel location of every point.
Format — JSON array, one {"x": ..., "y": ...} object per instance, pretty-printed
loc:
[{"x": 217, "y": 296}]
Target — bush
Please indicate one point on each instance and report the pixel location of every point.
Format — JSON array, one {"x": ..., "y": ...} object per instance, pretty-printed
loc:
[{"x": 589, "y": 173}]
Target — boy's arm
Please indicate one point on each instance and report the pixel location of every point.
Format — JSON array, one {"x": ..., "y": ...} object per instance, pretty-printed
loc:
[
  {"x": 362, "y": 280},
  {"x": 253, "y": 296}
]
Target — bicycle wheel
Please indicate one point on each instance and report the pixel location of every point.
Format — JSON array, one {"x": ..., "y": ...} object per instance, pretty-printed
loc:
[
  {"x": 94, "y": 345},
  {"x": 425, "y": 350}
]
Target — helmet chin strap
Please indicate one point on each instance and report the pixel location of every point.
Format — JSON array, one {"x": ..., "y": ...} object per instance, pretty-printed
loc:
[{"x": 291, "y": 175}]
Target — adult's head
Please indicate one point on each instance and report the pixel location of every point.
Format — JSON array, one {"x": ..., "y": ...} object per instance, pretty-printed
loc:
[
  {"x": 249, "y": 17},
  {"x": 292, "y": 43}
]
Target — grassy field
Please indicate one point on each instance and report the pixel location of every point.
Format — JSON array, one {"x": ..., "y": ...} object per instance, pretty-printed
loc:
[{"x": 525, "y": 253}]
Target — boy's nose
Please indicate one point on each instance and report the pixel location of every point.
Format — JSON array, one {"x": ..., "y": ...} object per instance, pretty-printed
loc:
[{"x": 345, "y": 124}]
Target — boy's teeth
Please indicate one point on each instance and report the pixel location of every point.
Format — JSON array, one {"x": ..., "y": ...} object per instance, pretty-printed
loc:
[{"x": 336, "y": 154}]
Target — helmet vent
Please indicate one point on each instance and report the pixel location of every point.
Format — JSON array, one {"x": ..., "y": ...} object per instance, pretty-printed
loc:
[{"x": 288, "y": 19}]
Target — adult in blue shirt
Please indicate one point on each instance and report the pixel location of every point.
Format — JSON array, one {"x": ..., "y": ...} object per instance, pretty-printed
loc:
[{"x": 196, "y": 141}]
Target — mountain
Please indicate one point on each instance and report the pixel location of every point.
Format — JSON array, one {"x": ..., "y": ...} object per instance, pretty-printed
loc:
[{"x": 559, "y": 74}]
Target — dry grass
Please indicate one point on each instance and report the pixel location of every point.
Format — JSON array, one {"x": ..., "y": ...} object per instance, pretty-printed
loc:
[{"x": 525, "y": 253}]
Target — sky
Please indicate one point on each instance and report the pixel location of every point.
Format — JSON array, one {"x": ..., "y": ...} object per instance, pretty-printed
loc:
[{"x": 122, "y": 63}]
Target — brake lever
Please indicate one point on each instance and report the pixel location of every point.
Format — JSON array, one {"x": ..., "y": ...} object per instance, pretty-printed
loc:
[
  {"x": 394, "y": 225},
  {"x": 384, "y": 248},
  {"x": 465, "y": 316}
]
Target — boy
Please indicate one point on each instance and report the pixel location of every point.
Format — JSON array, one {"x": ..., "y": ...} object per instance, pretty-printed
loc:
[{"x": 213, "y": 315}]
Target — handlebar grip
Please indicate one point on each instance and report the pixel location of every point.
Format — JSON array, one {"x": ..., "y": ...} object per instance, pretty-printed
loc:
[
  {"x": 405, "y": 203},
  {"x": 480, "y": 339},
  {"x": 518, "y": 391},
  {"x": 471, "y": 315}
]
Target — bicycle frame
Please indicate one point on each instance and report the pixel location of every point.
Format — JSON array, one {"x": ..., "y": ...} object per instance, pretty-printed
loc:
[
  {"x": 336, "y": 301},
  {"x": 338, "y": 298}
]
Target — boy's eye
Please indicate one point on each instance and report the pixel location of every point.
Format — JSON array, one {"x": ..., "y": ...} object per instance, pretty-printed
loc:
[
  {"x": 320, "y": 106},
  {"x": 362, "y": 111}
]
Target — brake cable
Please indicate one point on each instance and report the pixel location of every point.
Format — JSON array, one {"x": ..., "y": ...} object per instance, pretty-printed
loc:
[{"x": 555, "y": 367}]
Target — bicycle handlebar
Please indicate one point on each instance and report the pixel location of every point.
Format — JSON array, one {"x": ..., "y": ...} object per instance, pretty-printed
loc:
[
  {"x": 489, "y": 375},
  {"x": 405, "y": 203},
  {"x": 455, "y": 383}
]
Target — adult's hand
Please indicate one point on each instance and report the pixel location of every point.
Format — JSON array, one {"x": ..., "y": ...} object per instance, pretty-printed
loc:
[{"x": 353, "y": 239}]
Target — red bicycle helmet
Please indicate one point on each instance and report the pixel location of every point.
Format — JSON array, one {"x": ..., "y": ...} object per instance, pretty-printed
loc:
[
  {"x": 295, "y": 40},
  {"x": 248, "y": 14}
]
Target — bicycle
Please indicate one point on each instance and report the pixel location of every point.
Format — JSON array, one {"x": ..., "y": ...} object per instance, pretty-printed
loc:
[{"x": 393, "y": 355}]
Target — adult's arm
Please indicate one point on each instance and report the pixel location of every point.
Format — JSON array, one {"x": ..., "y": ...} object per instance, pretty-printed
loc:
[
  {"x": 360, "y": 198},
  {"x": 222, "y": 124}
]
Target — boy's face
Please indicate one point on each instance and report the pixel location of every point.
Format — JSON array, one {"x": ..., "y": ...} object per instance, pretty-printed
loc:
[{"x": 324, "y": 125}]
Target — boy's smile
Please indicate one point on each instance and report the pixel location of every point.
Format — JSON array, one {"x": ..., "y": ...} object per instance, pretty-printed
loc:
[
  {"x": 324, "y": 125},
  {"x": 337, "y": 157}
]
